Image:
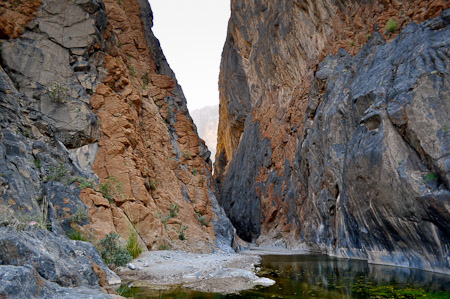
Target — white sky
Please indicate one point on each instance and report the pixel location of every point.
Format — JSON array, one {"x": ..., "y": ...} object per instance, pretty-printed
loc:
[{"x": 192, "y": 34}]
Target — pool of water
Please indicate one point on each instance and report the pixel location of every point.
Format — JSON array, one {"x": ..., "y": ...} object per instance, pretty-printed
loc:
[{"x": 320, "y": 276}]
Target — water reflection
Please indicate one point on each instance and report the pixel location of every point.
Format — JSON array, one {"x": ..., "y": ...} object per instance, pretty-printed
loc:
[{"x": 319, "y": 276}]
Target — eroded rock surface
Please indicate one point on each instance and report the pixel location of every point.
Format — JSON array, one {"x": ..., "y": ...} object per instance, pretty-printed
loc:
[{"x": 348, "y": 158}]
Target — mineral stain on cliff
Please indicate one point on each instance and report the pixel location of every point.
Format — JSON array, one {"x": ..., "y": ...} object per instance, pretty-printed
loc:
[{"x": 350, "y": 156}]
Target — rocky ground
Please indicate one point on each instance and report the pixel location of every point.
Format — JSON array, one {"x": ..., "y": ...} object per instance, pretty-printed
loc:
[{"x": 217, "y": 272}]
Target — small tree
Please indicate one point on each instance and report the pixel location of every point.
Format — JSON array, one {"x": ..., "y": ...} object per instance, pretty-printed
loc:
[{"x": 113, "y": 254}]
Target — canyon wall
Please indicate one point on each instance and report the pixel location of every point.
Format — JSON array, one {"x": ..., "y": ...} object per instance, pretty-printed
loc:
[
  {"x": 333, "y": 130},
  {"x": 206, "y": 120},
  {"x": 95, "y": 139}
]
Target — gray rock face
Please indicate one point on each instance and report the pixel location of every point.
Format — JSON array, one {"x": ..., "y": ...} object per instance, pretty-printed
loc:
[
  {"x": 45, "y": 108},
  {"x": 375, "y": 154},
  {"x": 242, "y": 204},
  {"x": 53, "y": 260},
  {"x": 25, "y": 282},
  {"x": 371, "y": 175},
  {"x": 55, "y": 257},
  {"x": 46, "y": 79},
  {"x": 58, "y": 68}
]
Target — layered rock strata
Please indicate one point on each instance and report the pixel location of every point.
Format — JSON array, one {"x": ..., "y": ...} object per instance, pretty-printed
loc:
[{"x": 349, "y": 157}]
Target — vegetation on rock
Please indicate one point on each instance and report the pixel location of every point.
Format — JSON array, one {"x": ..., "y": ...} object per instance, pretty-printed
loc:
[{"x": 112, "y": 253}]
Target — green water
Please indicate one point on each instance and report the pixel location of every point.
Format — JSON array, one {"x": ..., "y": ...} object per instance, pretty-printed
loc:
[{"x": 319, "y": 276}]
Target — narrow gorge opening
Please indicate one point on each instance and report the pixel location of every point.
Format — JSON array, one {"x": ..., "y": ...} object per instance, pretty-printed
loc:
[{"x": 193, "y": 46}]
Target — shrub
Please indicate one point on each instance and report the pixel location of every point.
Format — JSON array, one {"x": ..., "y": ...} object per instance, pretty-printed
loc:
[
  {"x": 57, "y": 173},
  {"x": 111, "y": 189},
  {"x": 187, "y": 155},
  {"x": 430, "y": 177},
  {"x": 391, "y": 25},
  {"x": 19, "y": 221},
  {"x": 194, "y": 171},
  {"x": 132, "y": 70},
  {"x": 37, "y": 163},
  {"x": 79, "y": 216},
  {"x": 153, "y": 184},
  {"x": 145, "y": 80},
  {"x": 133, "y": 245},
  {"x": 173, "y": 210},
  {"x": 181, "y": 231},
  {"x": 202, "y": 219},
  {"x": 368, "y": 36},
  {"x": 114, "y": 255},
  {"x": 57, "y": 92},
  {"x": 352, "y": 43},
  {"x": 77, "y": 236},
  {"x": 164, "y": 247},
  {"x": 83, "y": 182}
]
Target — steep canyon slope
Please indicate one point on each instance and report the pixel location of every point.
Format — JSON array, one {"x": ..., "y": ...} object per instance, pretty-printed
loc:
[
  {"x": 349, "y": 157},
  {"x": 206, "y": 120},
  {"x": 95, "y": 138}
]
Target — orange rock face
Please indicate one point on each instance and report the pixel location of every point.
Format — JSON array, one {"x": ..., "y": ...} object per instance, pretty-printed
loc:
[
  {"x": 14, "y": 15},
  {"x": 149, "y": 156},
  {"x": 267, "y": 71}
]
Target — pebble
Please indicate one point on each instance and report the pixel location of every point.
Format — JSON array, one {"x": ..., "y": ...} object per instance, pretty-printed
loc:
[
  {"x": 263, "y": 281},
  {"x": 131, "y": 266},
  {"x": 145, "y": 264}
]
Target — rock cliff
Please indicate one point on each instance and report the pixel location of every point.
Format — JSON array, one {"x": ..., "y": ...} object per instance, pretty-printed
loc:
[
  {"x": 96, "y": 138},
  {"x": 333, "y": 129},
  {"x": 206, "y": 120}
]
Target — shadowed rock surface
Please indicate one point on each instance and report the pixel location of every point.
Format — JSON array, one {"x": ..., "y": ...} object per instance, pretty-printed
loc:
[
  {"x": 25, "y": 282},
  {"x": 349, "y": 157}
]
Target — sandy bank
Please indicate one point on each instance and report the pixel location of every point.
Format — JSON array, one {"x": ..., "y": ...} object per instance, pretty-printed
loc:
[{"x": 219, "y": 273}]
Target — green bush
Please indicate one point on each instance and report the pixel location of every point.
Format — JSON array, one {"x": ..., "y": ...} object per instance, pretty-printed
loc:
[
  {"x": 202, "y": 219},
  {"x": 187, "y": 155},
  {"x": 164, "y": 247},
  {"x": 37, "y": 162},
  {"x": 145, "y": 80},
  {"x": 391, "y": 25},
  {"x": 173, "y": 210},
  {"x": 153, "y": 184},
  {"x": 57, "y": 92},
  {"x": 79, "y": 216},
  {"x": 111, "y": 189},
  {"x": 114, "y": 255},
  {"x": 77, "y": 236},
  {"x": 132, "y": 70},
  {"x": 57, "y": 173},
  {"x": 83, "y": 182},
  {"x": 133, "y": 245},
  {"x": 181, "y": 231},
  {"x": 430, "y": 177}
]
